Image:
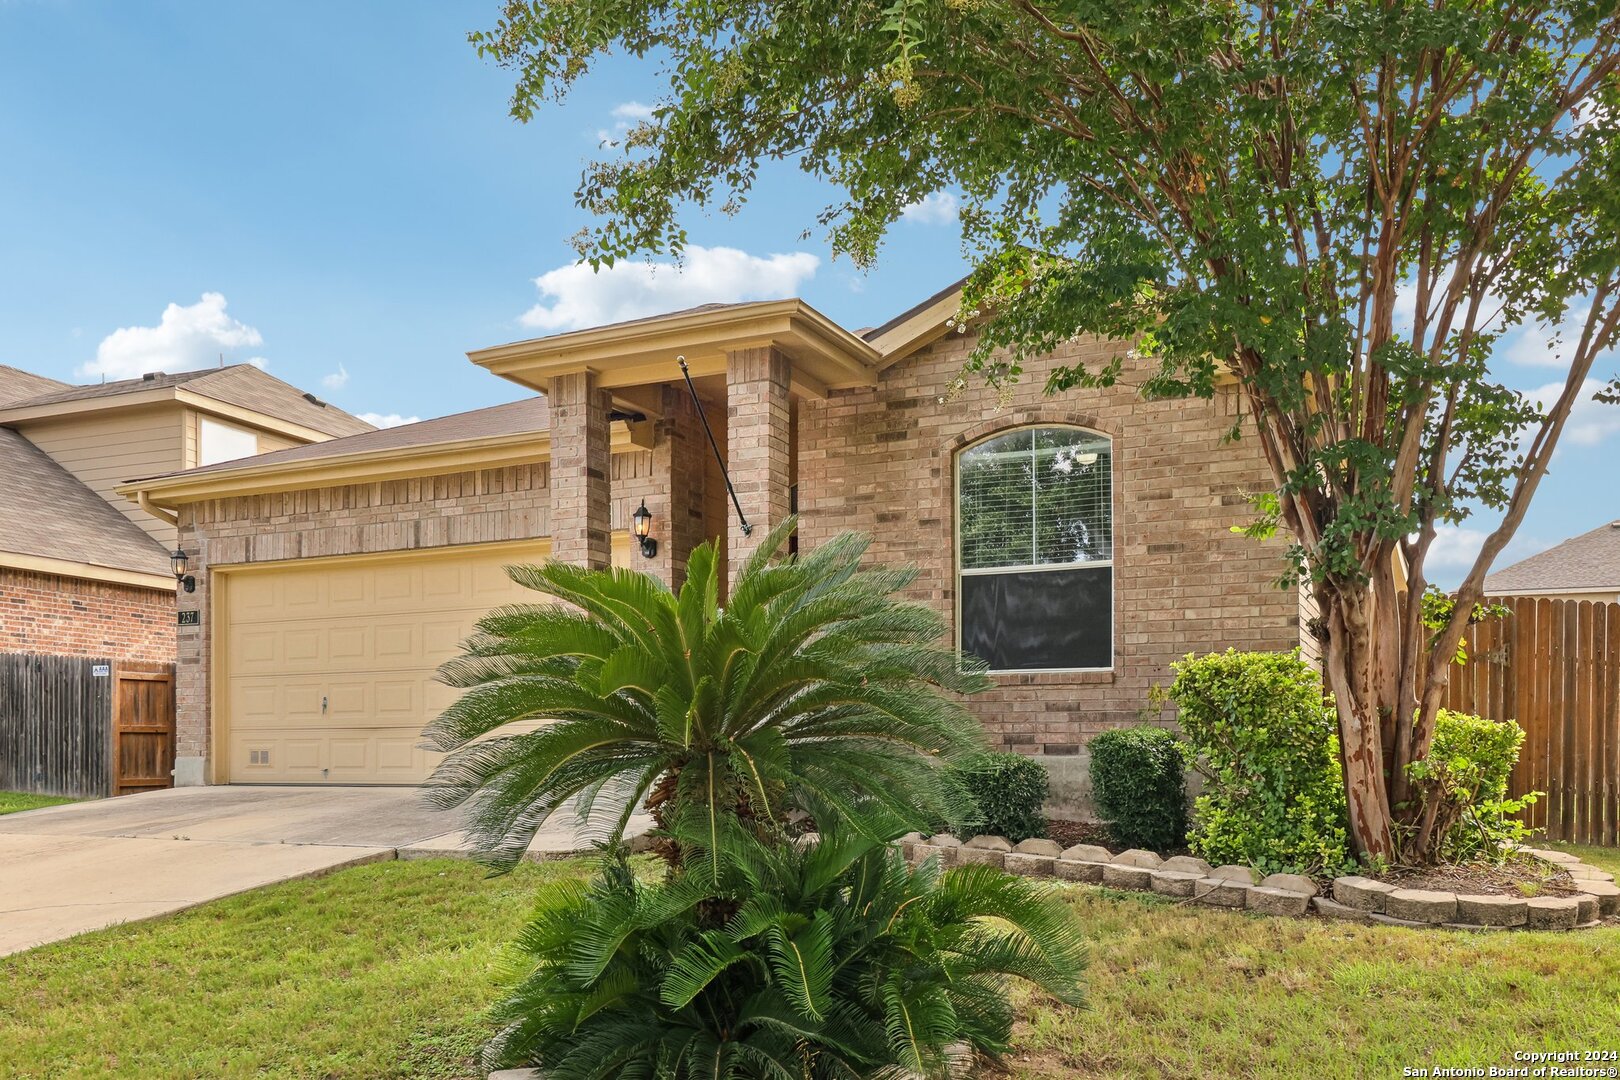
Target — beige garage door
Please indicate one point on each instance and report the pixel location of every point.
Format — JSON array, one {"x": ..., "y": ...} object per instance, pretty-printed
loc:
[{"x": 327, "y": 667}]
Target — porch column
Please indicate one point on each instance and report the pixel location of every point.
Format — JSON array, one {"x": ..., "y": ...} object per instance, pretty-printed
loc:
[
  {"x": 758, "y": 445},
  {"x": 680, "y": 460},
  {"x": 580, "y": 459}
]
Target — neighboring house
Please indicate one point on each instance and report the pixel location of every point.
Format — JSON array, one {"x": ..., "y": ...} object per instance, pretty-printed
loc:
[
  {"x": 1079, "y": 543},
  {"x": 108, "y": 433},
  {"x": 1584, "y": 567},
  {"x": 83, "y": 571}
]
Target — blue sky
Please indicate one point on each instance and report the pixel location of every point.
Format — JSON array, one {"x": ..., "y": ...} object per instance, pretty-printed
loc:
[{"x": 336, "y": 191}]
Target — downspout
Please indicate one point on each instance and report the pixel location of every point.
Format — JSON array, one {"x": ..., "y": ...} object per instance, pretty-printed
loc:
[{"x": 144, "y": 501}]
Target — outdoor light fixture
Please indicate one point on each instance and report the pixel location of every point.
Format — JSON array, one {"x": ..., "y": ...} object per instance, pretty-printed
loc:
[
  {"x": 642, "y": 522},
  {"x": 179, "y": 563}
]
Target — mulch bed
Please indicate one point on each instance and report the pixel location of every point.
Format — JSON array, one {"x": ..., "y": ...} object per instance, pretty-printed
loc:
[
  {"x": 1069, "y": 833},
  {"x": 1516, "y": 877}
]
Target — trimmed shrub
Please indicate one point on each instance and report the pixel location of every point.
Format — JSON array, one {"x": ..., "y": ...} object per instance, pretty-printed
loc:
[
  {"x": 1140, "y": 787},
  {"x": 1463, "y": 782},
  {"x": 1260, "y": 730},
  {"x": 1009, "y": 791}
]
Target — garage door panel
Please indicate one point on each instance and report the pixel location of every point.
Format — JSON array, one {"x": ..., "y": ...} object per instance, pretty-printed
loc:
[{"x": 328, "y": 670}]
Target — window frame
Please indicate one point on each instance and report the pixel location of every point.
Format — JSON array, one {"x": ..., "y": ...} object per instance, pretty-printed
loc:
[{"x": 958, "y": 571}]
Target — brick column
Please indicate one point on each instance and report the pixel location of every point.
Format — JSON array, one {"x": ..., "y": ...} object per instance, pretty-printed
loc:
[
  {"x": 758, "y": 444},
  {"x": 580, "y": 460},
  {"x": 680, "y": 460}
]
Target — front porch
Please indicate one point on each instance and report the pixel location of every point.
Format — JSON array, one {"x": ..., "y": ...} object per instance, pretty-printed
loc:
[{"x": 740, "y": 370}]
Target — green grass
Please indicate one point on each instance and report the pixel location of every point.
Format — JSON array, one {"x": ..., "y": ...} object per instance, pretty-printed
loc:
[
  {"x": 386, "y": 970},
  {"x": 13, "y": 802}
]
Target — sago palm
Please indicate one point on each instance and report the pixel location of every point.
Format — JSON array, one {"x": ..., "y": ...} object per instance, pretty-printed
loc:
[
  {"x": 839, "y": 961},
  {"x": 813, "y": 689}
]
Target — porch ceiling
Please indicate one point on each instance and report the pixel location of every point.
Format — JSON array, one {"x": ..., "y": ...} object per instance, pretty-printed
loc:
[{"x": 824, "y": 355}]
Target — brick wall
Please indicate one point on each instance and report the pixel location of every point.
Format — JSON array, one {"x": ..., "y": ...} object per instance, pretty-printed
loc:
[
  {"x": 63, "y": 616},
  {"x": 881, "y": 461}
]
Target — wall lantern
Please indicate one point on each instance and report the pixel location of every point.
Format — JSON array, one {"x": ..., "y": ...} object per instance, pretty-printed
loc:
[
  {"x": 179, "y": 563},
  {"x": 642, "y": 522}
]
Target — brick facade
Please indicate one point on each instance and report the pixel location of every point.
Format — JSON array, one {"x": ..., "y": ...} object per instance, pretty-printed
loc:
[
  {"x": 580, "y": 500},
  {"x": 64, "y": 616},
  {"x": 759, "y": 449},
  {"x": 879, "y": 460},
  {"x": 882, "y": 461}
]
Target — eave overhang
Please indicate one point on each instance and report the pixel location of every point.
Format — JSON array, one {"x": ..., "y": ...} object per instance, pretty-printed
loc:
[{"x": 824, "y": 355}]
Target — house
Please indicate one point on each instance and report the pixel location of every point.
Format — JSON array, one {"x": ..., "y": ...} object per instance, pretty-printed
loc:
[
  {"x": 86, "y": 587},
  {"x": 1584, "y": 567},
  {"x": 1079, "y": 543},
  {"x": 84, "y": 571}
]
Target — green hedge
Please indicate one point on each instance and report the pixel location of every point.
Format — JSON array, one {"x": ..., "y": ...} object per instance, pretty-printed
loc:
[
  {"x": 1139, "y": 787},
  {"x": 1260, "y": 730},
  {"x": 1463, "y": 783},
  {"x": 1010, "y": 793}
]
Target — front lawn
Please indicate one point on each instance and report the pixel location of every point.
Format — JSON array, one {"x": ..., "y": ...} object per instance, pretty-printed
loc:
[
  {"x": 383, "y": 970},
  {"x": 14, "y": 802}
]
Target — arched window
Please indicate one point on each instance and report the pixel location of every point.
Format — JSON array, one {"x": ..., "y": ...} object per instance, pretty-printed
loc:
[{"x": 1035, "y": 550}]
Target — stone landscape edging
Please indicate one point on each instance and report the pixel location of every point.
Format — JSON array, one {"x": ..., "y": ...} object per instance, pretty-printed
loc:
[{"x": 1353, "y": 897}]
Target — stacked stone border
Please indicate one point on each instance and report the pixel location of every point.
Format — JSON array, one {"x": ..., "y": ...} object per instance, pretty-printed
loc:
[{"x": 1356, "y": 899}]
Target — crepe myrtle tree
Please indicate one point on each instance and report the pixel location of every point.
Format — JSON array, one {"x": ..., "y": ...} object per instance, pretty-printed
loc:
[{"x": 1341, "y": 206}]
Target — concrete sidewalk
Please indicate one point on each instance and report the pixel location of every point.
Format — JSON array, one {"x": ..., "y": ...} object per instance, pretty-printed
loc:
[{"x": 65, "y": 870}]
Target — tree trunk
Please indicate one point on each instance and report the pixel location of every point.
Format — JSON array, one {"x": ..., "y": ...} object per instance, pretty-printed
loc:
[{"x": 1352, "y": 671}]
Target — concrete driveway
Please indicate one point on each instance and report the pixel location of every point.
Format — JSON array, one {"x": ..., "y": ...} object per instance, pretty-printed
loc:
[{"x": 65, "y": 870}]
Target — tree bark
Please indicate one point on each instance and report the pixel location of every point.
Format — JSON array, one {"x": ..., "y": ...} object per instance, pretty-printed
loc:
[{"x": 1352, "y": 672}]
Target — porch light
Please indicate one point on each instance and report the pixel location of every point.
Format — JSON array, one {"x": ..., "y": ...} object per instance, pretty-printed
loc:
[
  {"x": 180, "y": 563},
  {"x": 641, "y": 521}
]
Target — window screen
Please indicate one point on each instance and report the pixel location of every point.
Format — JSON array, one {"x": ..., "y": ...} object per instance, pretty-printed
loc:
[{"x": 1035, "y": 514}]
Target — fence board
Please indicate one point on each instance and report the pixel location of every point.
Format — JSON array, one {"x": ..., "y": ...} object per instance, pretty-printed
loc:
[
  {"x": 1554, "y": 666},
  {"x": 55, "y": 725}
]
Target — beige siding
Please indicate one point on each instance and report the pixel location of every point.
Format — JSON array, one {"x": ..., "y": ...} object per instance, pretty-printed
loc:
[
  {"x": 269, "y": 442},
  {"x": 106, "y": 449}
]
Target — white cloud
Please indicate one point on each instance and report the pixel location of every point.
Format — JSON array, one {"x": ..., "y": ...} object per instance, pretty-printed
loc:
[
  {"x": 940, "y": 208},
  {"x": 337, "y": 380},
  {"x": 625, "y": 116},
  {"x": 1455, "y": 547},
  {"x": 388, "y": 419},
  {"x": 185, "y": 338},
  {"x": 1590, "y": 421},
  {"x": 574, "y": 297}
]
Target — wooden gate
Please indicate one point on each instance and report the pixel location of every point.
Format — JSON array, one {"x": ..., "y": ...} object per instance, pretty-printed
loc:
[
  {"x": 1554, "y": 666},
  {"x": 143, "y": 728}
]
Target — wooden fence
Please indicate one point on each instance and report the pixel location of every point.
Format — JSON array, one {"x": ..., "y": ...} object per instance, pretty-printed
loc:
[
  {"x": 1554, "y": 666},
  {"x": 84, "y": 727}
]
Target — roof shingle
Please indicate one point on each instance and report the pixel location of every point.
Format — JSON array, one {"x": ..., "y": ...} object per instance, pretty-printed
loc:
[
  {"x": 528, "y": 416},
  {"x": 46, "y": 512},
  {"x": 1588, "y": 561},
  {"x": 242, "y": 385}
]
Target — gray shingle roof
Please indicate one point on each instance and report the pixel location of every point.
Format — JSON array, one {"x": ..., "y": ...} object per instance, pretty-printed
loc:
[
  {"x": 242, "y": 385},
  {"x": 515, "y": 418},
  {"x": 46, "y": 512},
  {"x": 17, "y": 384},
  {"x": 1588, "y": 561}
]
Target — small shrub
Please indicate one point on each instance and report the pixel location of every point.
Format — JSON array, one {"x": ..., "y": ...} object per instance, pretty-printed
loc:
[
  {"x": 1463, "y": 783},
  {"x": 1259, "y": 729},
  {"x": 1009, "y": 791},
  {"x": 1140, "y": 787},
  {"x": 836, "y": 960}
]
